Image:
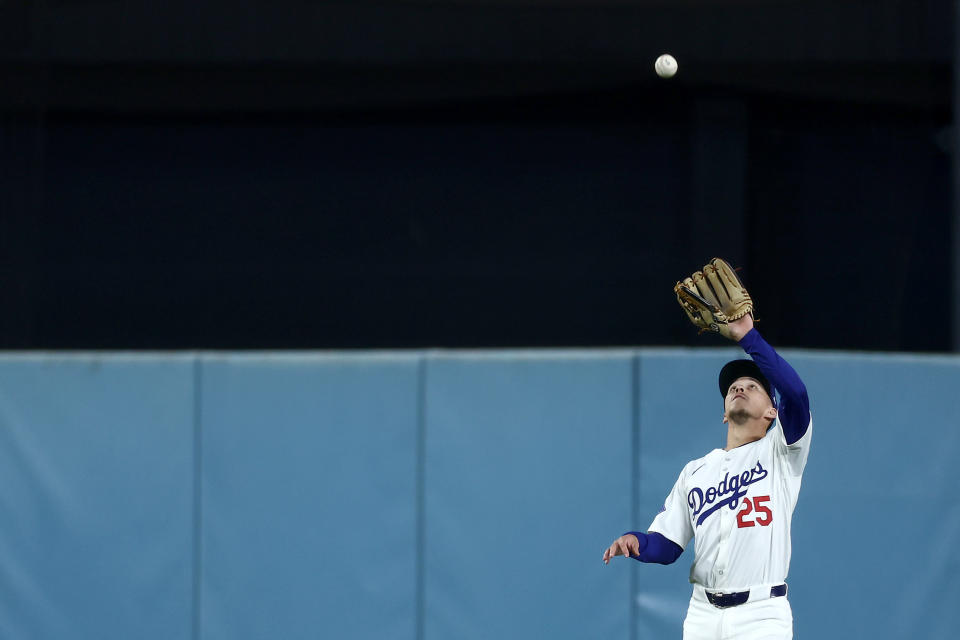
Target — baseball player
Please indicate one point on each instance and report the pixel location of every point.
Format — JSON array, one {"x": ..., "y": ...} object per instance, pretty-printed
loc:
[{"x": 736, "y": 502}]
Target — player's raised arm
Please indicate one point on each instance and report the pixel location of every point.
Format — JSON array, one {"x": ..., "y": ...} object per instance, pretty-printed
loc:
[
  {"x": 715, "y": 300},
  {"x": 794, "y": 407}
]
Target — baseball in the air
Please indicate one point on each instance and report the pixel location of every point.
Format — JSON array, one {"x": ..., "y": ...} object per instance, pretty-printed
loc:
[{"x": 666, "y": 66}]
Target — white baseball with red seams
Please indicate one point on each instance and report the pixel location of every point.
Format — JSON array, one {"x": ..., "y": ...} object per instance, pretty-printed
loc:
[{"x": 738, "y": 505}]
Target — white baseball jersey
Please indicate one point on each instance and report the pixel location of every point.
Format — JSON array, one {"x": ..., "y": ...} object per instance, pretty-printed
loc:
[{"x": 738, "y": 505}]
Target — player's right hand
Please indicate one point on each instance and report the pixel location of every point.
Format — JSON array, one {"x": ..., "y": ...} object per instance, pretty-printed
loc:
[{"x": 627, "y": 545}]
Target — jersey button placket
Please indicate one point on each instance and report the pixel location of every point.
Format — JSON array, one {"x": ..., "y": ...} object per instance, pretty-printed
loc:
[
  {"x": 726, "y": 525},
  {"x": 723, "y": 546}
]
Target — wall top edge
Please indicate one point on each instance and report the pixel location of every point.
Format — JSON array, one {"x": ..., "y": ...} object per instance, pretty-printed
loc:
[{"x": 539, "y": 353}]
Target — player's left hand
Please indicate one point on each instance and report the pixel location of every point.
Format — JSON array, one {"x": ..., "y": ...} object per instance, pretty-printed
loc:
[
  {"x": 739, "y": 328},
  {"x": 627, "y": 545},
  {"x": 714, "y": 298}
]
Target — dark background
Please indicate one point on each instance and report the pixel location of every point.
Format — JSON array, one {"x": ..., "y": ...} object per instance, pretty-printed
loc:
[{"x": 452, "y": 173}]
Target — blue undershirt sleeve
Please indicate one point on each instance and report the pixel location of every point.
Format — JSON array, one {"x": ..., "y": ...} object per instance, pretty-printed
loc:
[
  {"x": 654, "y": 547},
  {"x": 794, "y": 409}
]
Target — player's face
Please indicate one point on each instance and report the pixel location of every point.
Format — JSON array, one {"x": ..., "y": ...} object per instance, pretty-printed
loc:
[{"x": 746, "y": 398}]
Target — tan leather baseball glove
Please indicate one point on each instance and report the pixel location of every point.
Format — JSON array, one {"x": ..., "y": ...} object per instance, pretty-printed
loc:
[{"x": 714, "y": 297}]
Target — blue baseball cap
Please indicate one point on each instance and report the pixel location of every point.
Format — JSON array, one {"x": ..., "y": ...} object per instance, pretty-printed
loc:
[{"x": 736, "y": 369}]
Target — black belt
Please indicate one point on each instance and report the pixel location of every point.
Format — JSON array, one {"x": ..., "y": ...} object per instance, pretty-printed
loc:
[{"x": 724, "y": 600}]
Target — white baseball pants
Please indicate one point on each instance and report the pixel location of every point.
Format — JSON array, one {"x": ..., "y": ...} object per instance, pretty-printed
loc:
[{"x": 768, "y": 619}]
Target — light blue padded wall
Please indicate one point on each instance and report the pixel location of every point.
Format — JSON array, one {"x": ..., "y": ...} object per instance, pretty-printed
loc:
[
  {"x": 309, "y": 479},
  {"x": 96, "y": 496},
  {"x": 877, "y": 524},
  {"x": 444, "y": 495},
  {"x": 528, "y": 475}
]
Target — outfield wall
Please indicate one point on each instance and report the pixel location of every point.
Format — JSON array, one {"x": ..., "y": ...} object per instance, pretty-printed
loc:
[{"x": 440, "y": 495}]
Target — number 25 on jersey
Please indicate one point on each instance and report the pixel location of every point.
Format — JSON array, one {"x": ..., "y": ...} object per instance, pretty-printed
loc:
[{"x": 762, "y": 514}]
